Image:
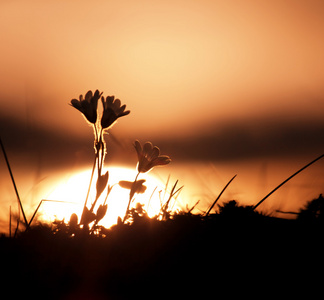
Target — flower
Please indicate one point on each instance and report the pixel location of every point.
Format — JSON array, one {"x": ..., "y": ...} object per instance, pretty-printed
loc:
[
  {"x": 149, "y": 157},
  {"x": 88, "y": 105},
  {"x": 112, "y": 110}
]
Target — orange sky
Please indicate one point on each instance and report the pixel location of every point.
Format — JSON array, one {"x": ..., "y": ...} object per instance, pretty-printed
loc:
[
  {"x": 207, "y": 81},
  {"x": 176, "y": 64}
]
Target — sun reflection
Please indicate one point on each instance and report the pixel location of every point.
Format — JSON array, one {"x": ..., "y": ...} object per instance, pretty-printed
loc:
[{"x": 73, "y": 192}]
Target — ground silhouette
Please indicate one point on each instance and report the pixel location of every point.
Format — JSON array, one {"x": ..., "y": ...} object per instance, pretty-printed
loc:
[{"x": 236, "y": 251}]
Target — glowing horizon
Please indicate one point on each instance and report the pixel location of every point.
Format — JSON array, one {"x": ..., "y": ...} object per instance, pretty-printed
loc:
[{"x": 67, "y": 195}]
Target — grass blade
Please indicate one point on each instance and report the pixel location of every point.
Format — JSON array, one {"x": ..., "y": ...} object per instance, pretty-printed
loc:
[
  {"x": 285, "y": 181},
  {"x": 223, "y": 190},
  {"x": 10, "y": 221},
  {"x": 13, "y": 182}
]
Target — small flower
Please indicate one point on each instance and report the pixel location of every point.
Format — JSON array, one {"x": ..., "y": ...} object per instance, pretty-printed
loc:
[
  {"x": 112, "y": 110},
  {"x": 149, "y": 157},
  {"x": 88, "y": 105}
]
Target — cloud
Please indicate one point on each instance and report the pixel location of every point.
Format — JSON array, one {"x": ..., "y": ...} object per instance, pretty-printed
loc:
[
  {"x": 31, "y": 146},
  {"x": 265, "y": 138},
  {"x": 229, "y": 141}
]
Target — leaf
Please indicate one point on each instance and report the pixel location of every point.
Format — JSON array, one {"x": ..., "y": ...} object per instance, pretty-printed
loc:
[
  {"x": 87, "y": 216},
  {"x": 101, "y": 184},
  {"x": 101, "y": 212}
]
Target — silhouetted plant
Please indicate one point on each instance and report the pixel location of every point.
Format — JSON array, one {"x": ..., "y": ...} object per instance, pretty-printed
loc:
[
  {"x": 232, "y": 209},
  {"x": 148, "y": 158},
  {"x": 138, "y": 214},
  {"x": 165, "y": 211},
  {"x": 313, "y": 212},
  {"x": 112, "y": 110}
]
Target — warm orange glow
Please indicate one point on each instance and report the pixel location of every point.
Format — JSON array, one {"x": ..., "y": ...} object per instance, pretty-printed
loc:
[
  {"x": 189, "y": 71},
  {"x": 238, "y": 59},
  {"x": 75, "y": 188}
]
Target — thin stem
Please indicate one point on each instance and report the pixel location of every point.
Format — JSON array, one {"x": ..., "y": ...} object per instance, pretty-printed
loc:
[
  {"x": 131, "y": 195},
  {"x": 92, "y": 172},
  {"x": 93, "y": 169},
  {"x": 108, "y": 192},
  {"x": 86, "y": 200},
  {"x": 103, "y": 148},
  {"x": 96, "y": 132},
  {"x": 10, "y": 221},
  {"x": 14, "y": 184}
]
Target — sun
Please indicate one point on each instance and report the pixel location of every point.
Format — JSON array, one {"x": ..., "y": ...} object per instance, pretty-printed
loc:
[{"x": 69, "y": 195}]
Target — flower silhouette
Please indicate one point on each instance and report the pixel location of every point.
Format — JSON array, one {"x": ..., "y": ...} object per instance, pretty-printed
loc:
[
  {"x": 88, "y": 105},
  {"x": 112, "y": 110},
  {"x": 149, "y": 157}
]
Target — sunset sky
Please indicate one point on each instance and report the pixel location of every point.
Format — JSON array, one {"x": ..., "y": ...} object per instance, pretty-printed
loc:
[{"x": 205, "y": 80}]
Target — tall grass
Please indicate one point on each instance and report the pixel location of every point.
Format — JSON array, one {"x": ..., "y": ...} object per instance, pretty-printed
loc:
[{"x": 14, "y": 183}]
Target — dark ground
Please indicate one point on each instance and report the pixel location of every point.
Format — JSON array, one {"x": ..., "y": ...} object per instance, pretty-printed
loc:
[{"x": 234, "y": 253}]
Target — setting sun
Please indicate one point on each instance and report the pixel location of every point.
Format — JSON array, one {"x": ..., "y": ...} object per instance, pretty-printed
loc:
[{"x": 73, "y": 192}]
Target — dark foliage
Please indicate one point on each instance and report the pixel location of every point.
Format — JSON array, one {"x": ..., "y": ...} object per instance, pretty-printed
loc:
[
  {"x": 237, "y": 251},
  {"x": 313, "y": 212}
]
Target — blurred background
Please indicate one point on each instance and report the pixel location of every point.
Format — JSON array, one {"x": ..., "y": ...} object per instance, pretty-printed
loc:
[{"x": 224, "y": 88}]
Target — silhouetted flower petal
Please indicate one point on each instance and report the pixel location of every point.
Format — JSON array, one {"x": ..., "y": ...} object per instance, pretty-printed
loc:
[
  {"x": 112, "y": 110},
  {"x": 88, "y": 105},
  {"x": 149, "y": 157}
]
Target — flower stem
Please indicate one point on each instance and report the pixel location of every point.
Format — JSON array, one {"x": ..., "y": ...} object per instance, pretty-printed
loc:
[
  {"x": 92, "y": 172},
  {"x": 86, "y": 200},
  {"x": 130, "y": 198}
]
